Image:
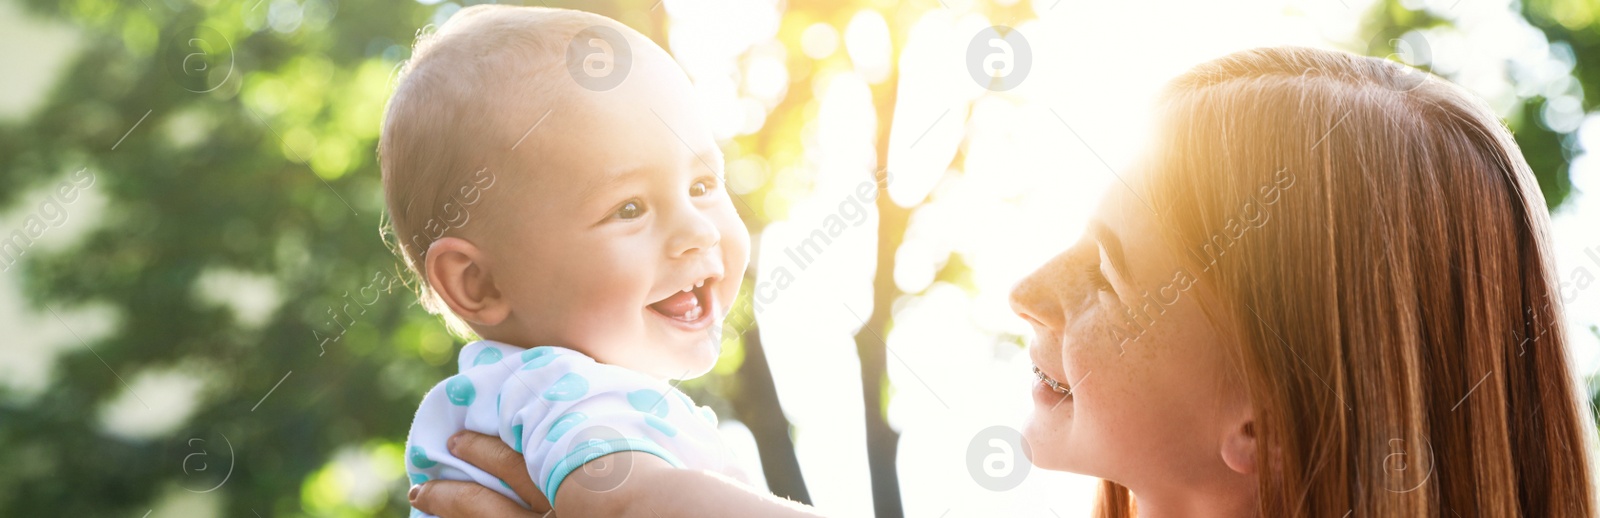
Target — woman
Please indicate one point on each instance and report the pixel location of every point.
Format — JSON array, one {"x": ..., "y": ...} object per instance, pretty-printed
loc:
[{"x": 1327, "y": 291}]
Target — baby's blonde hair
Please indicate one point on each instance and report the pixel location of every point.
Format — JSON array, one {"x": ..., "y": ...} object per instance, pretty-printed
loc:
[{"x": 462, "y": 101}]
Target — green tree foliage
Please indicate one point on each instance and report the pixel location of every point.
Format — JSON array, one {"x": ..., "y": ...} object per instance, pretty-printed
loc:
[{"x": 1570, "y": 28}]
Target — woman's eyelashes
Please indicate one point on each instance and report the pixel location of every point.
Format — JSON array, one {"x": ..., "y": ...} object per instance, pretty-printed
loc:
[{"x": 1097, "y": 279}]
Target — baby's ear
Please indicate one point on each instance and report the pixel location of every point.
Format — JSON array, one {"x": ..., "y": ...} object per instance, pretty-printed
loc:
[{"x": 456, "y": 271}]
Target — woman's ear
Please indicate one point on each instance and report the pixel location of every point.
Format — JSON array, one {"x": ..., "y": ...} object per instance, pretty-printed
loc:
[
  {"x": 457, "y": 272},
  {"x": 1239, "y": 448}
]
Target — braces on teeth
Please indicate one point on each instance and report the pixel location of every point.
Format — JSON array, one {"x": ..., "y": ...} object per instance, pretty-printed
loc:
[{"x": 1053, "y": 384}]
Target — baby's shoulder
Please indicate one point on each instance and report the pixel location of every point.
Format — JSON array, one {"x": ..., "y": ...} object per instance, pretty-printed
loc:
[
  {"x": 485, "y": 356},
  {"x": 548, "y": 373}
]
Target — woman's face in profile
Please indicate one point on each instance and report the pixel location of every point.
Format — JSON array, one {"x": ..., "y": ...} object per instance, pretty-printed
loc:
[{"x": 1118, "y": 323}]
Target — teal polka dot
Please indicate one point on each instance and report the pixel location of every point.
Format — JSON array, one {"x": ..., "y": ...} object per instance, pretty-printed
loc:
[
  {"x": 563, "y": 424},
  {"x": 571, "y": 386},
  {"x": 419, "y": 458},
  {"x": 418, "y": 478},
  {"x": 648, "y": 401},
  {"x": 503, "y": 483},
  {"x": 661, "y": 425},
  {"x": 460, "y": 391},
  {"x": 537, "y": 357},
  {"x": 487, "y": 356},
  {"x": 708, "y": 414},
  {"x": 516, "y": 438}
]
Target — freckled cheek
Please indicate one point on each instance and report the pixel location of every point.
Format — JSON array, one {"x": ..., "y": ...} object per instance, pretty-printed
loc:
[{"x": 1093, "y": 336}]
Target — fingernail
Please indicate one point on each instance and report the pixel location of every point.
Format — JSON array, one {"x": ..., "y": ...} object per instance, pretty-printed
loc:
[
  {"x": 414, "y": 493},
  {"x": 451, "y": 443}
]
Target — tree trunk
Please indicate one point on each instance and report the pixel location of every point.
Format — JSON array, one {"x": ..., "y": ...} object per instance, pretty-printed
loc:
[
  {"x": 882, "y": 441},
  {"x": 756, "y": 405}
]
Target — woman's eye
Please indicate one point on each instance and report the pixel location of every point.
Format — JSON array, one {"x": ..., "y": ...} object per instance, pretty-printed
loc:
[
  {"x": 1098, "y": 279},
  {"x": 630, "y": 210},
  {"x": 700, "y": 188}
]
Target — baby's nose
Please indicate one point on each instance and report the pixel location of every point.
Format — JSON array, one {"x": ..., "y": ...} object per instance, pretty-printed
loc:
[{"x": 692, "y": 233}]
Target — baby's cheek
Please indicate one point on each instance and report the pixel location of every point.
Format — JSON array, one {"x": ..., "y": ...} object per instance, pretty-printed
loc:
[
  {"x": 736, "y": 245},
  {"x": 736, "y": 258},
  {"x": 728, "y": 294}
]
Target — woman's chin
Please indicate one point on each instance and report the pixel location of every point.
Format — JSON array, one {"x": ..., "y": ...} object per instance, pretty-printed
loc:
[
  {"x": 1037, "y": 434},
  {"x": 1042, "y": 432}
]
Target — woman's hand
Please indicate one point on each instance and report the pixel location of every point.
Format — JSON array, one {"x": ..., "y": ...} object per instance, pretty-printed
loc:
[{"x": 450, "y": 499}]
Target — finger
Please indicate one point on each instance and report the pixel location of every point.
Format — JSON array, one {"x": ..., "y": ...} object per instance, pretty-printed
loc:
[
  {"x": 455, "y": 499},
  {"x": 490, "y": 454}
]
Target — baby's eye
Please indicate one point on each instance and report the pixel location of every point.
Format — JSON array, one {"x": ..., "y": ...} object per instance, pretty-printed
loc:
[
  {"x": 630, "y": 210},
  {"x": 701, "y": 187}
]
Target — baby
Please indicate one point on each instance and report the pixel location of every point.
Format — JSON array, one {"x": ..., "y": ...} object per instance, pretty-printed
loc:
[{"x": 597, "y": 259}]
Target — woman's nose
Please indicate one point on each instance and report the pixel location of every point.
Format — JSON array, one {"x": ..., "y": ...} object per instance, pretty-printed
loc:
[{"x": 1037, "y": 298}]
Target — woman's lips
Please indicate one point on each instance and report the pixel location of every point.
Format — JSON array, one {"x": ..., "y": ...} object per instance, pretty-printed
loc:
[
  {"x": 1049, "y": 392},
  {"x": 1051, "y": 382},
  {"x": 1049, "y": 388},
  {"x": 1050, "y": 399}
]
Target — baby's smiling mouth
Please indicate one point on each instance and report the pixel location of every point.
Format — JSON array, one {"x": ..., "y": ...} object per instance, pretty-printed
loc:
[{"x": 688, "y": 304}]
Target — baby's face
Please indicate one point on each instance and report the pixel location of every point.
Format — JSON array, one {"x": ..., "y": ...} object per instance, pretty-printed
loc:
[{"x": 617, "y": 237}]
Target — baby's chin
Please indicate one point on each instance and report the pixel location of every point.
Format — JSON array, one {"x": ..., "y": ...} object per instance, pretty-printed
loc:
[
  {"x": 679, "y": 361},
  {"x": 698, "y": 359}
]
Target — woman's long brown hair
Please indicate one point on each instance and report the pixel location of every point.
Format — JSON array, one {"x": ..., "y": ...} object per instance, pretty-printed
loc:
[{"x": 1392, "y": 302}]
